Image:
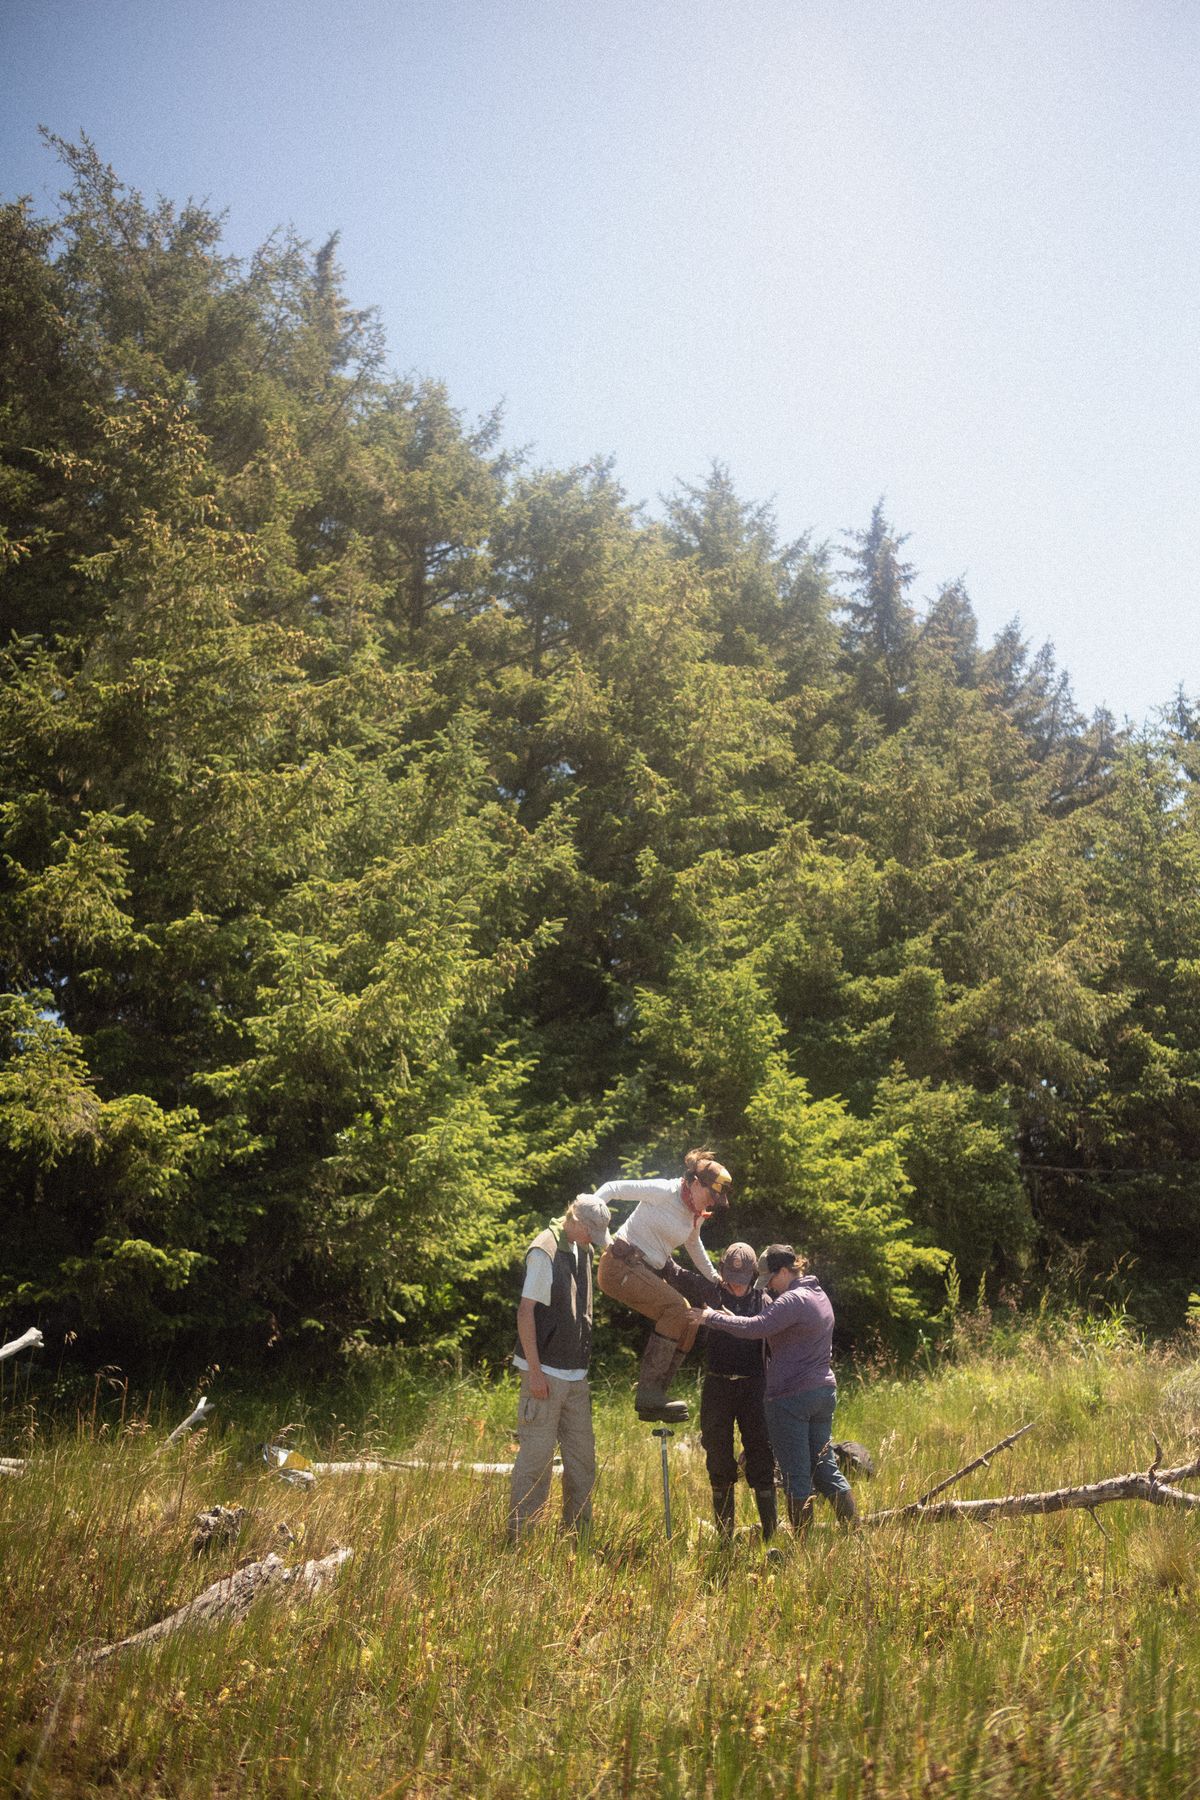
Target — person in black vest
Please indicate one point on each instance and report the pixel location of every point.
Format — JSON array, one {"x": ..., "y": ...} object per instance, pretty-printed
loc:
[{"x": 554, "y": 1332}]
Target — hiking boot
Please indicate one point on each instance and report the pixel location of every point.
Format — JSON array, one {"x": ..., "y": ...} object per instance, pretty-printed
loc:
[
  {"x": 764, "y": 1499},
  {"x": 658, "y": 1363},
  {"x": 724, "y": 1511},
  {"x": 800, "y": 1514}
]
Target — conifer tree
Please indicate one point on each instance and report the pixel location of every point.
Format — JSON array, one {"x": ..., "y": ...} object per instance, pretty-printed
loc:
[{"x": 880, "y": 626}]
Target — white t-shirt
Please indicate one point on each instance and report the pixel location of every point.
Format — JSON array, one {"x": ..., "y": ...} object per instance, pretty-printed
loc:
[
  {"x": 539, "y": 1284},
  {"x": 660, "y": 1223}
]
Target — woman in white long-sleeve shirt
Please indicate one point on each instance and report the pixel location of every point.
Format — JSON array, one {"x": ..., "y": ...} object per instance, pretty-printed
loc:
[{"x": 637, "y": 1267}]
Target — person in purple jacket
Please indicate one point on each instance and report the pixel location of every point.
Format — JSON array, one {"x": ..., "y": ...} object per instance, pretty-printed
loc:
[{"x": 797, "y": 1325}]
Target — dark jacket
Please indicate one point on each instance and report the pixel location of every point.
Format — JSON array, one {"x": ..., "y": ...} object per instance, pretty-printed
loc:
[{"x": 725, "y": 1355}]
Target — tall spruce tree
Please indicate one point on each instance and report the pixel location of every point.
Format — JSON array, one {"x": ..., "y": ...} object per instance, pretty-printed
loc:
[{"x": 880, "y": 626}]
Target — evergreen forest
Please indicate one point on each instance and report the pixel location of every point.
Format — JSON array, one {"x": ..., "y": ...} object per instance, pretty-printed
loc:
[{"x": 398, "y": 836}]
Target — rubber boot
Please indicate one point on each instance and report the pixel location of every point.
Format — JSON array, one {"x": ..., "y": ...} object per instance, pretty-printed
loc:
[
  {"x": 800, "y": 1514},
  {"x": 844, "y": 1509},
  {"x": 764, "y": 1499},
  {"x": 650, "y": 1400},
  {"x": 723, "y": 1511}
]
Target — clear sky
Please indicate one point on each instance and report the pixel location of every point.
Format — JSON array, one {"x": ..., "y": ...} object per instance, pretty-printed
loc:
[{"x": 942, "y": 250}]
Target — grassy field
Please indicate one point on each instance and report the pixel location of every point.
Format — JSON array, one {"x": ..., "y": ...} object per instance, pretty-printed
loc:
[{"x": 1032, "y": 1656}]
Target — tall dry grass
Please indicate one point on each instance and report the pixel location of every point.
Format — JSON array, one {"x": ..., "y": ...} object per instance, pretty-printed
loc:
[{"x": 1029, "y": 1657}]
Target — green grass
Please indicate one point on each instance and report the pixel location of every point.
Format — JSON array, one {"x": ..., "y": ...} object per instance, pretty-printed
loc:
[{"x": 1030, "y": 1657}]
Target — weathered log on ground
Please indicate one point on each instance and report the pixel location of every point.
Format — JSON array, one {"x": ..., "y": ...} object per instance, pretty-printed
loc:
[
  {"x": 233, "y": 1596},
  {"x": 369, "y": 1466},
  {"x": 389, "y": 1466},
  {"x": 1156, "y": 1485}
]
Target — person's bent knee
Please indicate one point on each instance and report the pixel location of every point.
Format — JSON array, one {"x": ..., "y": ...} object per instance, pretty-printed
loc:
[
  {"x": 681, "y": 1324},
  {"x": 721, "y": 1468}
]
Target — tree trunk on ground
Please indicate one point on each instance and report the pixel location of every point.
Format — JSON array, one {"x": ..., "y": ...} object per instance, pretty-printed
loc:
[
  {"x": 1157, "y": 1485},
  {"x": 232, "y": 1598}
]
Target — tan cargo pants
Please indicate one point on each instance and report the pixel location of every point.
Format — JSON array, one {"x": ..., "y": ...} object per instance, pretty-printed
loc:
[
  {"x": 635, "y": 1284},
  {"x": 565, "y": 1420}
]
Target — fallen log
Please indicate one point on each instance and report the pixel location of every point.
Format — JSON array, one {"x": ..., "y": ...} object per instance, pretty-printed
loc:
[
  {"x": 232, "y": 1597},
  {"x": 389, "y": 1466},
  {"x": 1157, "y": 1486},
  {"x": 10, "y": 1465}
]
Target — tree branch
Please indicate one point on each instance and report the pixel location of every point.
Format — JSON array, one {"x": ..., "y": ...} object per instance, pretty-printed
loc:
[
  {"x": 1158, "y": 1486},
  {"x": 30, "y": 1340},
  {"x": 981, "y": 1462}
]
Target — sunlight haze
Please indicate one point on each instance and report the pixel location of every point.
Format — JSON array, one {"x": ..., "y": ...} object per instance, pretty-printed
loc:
[{"x": 943, "y": 252}]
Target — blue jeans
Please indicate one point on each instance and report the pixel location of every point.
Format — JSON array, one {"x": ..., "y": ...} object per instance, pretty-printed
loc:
[{"x": 800, "y": 1427}]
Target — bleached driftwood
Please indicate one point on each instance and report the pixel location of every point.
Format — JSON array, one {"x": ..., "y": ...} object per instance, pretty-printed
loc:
[
  {"x": 1157, "y": 1485},
  {"x": 233, "y": 1596},
  {"x": 30, "y": 1340},
  {"x": 389, "y": 1465},
  {"x": 200, "y": 1411}
]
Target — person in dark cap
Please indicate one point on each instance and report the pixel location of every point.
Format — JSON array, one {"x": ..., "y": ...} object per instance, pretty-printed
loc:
[
  {"x": 796, "y": 1324},
  {"x": 732, "y": 1394},
  {"x": 554, "y": 1334}
]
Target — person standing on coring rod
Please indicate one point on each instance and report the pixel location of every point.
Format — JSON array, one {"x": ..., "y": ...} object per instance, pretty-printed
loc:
[{"x": 639, "y": 1269}]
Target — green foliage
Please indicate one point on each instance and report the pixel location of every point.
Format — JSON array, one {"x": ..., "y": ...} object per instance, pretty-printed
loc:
[
  {"x": 395, "y": 838},
  {"x": 966, "y": 1196}
]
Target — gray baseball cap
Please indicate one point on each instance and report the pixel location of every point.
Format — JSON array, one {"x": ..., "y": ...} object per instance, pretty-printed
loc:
[
  {"x": 738, "y": 1263},
  {"x": 594, "y": 1216}
]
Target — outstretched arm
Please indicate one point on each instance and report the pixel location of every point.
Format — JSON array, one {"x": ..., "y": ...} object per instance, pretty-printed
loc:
[
  {"x": 638, "y": 1193},
  {"x": 789, "y": 1309},
  {"x": 696, "y": 1288},
  {"x": 700, "y": 1256}
]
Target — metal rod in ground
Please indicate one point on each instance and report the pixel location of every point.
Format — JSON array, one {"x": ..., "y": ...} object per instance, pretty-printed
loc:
[{"x": 662, "y": 1434}]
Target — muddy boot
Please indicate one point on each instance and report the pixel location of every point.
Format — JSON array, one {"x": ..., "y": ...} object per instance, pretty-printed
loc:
[
  {"x": 764, "y": 1499},
  {"x": 723, "y": 1511},
  {"x": 800, "y": 1514},
  {"x": 650, "y": 1401},
  {"x": 844, "y": 1509}
]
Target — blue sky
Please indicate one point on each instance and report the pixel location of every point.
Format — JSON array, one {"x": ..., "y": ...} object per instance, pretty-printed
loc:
[{"x": 943, "y": 250}]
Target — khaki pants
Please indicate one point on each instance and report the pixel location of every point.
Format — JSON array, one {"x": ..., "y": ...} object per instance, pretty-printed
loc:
[
  {"x": 565, "y": 1420},
  {"x": 635, "y": 1285}
]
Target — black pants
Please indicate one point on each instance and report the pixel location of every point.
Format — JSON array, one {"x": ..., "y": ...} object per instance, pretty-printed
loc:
[{"x": 724, "y": 1402}]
